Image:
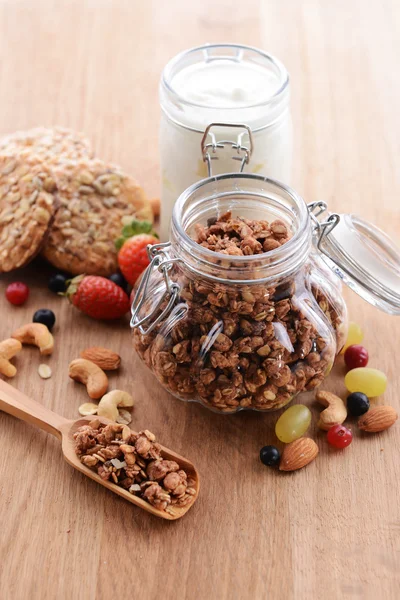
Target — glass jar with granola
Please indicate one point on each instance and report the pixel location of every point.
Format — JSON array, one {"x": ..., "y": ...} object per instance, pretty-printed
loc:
[{"x": 243, "y": 308}]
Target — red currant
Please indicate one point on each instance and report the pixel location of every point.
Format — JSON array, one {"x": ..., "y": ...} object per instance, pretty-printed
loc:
[
  {"x": 17, "y": 293},
  {"x": 356, "y": 356},
  {"x": 339, "y": 436}
]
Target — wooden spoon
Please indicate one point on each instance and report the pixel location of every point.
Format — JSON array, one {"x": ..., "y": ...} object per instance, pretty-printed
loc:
[{"x": 15, "y": 403}]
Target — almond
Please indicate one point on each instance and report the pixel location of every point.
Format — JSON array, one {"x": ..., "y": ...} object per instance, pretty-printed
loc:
[
  {"x": 155, "y": 205},
  {"x": 102, "y": 357},
  {"x": 298, "y": 454},
  {"x": 377, "y": 419}
]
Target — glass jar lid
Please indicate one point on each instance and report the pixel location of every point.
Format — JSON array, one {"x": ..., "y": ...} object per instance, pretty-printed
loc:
[{"x": 361, "y": 254}]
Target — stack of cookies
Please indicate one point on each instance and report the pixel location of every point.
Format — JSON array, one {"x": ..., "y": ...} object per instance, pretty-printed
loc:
[{"x": 58, "y": 200}]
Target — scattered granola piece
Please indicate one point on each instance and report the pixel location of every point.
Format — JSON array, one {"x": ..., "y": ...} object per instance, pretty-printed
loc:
[{"x": 155, "y": 495}]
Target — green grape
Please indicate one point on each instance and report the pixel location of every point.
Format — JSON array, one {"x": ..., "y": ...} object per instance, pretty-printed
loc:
[
  {"x": 370, "y": 382},
  {"x": 355, "y": 335},
  {"x": 293, "y": 423}
]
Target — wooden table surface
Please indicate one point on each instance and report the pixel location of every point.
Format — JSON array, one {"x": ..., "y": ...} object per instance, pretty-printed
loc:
[{"x": 331, "y": 530}]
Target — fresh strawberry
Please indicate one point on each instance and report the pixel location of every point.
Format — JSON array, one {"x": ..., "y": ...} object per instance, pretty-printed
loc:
[
  {"x": 132, "y": 245},
  {"x": 98, "y": 297},
  {"x": 132, "y": 258}
]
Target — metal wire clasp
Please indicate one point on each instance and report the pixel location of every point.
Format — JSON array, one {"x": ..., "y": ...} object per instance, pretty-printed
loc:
[
  {"x": 322, "y": 228},
  {"x": 160, "y": 260},
  {"x": 243, "y": 152}
]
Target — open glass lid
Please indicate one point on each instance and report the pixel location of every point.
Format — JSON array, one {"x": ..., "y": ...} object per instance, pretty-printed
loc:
[{"x": 362, "y": 255}]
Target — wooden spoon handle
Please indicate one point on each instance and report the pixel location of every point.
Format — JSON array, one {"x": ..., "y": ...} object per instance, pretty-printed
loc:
[{"x": 15, "y": 403}]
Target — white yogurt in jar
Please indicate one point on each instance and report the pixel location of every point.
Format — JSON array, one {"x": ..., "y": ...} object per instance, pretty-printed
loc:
[{"x": 221, "y": 84}]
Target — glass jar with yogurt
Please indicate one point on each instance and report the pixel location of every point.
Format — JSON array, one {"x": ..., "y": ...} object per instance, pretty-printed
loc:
[
  {"x": 203, "y": 92},
  {"x": 243, "y": 308}
]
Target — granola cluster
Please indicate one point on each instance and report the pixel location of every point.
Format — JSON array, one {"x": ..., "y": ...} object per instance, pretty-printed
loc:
[
  {"x": 241, "y": 237},
  {"x": 134, "y": 462},
  {"x": 242, "y": 346}
]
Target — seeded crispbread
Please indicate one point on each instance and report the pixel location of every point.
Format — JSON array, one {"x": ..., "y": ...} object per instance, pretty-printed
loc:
[
  {"x": 27, "y": 206},
  {"x": 50, "y": 145},
  {"x": 96, "y": 200}
]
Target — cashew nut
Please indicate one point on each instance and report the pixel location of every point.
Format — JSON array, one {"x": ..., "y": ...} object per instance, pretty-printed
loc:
[
  {"x": 109, "y": 404},
  {"x": 8, "y": 349},
  {"x": 91, "y": 375},
  {"x": 36, "y": 334},
  {"x": 334, "y": 414}
]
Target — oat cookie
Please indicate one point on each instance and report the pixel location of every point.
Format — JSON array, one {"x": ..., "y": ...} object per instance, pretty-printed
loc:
[
  {"x": 96, "y": 200},
  {"x": 51, "y": 145},
  {"x": 27, "y": 206}
]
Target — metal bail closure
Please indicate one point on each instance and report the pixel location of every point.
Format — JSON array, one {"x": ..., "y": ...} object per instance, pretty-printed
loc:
[
  {"x": 159, "y": 259},
  {"x": 243, "y": 152},
  {"x": 361, "y": 254}
]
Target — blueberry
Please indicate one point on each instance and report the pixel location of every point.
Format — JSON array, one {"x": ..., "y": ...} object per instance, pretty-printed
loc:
[
  {"x": 270, "y": 456},
  {"x": 119, "y": 279},
  {"x": 58, "y": 283},
  {"x": 357, "y": 404},
  {"x": 45, "y": 316}
]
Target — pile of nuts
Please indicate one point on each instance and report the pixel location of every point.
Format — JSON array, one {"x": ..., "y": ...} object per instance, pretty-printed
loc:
[
  {"x": 89, "y": 370},
  {"x": 134, "y": 462},
  {"x": 33, "y": 334},
  {"x": 245, "y": 346}
]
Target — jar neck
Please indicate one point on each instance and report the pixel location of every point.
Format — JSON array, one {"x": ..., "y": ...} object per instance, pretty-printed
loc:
[
  {"x": 234, "y": 103},
  {"x": 249, "y": 196}
]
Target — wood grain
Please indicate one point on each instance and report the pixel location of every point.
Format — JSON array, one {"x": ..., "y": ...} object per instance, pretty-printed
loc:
[{"x": 331, "y": 530}]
